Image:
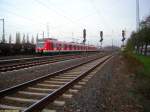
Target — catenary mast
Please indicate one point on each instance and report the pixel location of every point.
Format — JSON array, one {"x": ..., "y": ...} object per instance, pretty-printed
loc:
[{"x": 137, "y": 15}]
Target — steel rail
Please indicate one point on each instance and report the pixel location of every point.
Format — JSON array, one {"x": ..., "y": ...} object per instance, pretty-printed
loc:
[
  {"x": 32, "y": 58},
  {"x": 52, "y": 96},
  {"x": 45, "y": 59},
  {"x": 29, "y": 64},
  {"x": 34, "y": 81}
]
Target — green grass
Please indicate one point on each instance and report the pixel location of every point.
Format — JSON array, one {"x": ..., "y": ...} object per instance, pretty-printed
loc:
[
  {"x": 143, "y": 78},
  {"x": 145, "y": 60},
  {"x": 140, "y": 65}
]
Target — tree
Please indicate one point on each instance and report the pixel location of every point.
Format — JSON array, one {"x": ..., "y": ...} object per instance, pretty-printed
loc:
[
  {"x": 28, "y": 39},
  {"x": 32, "y": 40},
  {"x": 17, "y": 38},
  {"x": 23, "y": 39},
  {"x": 140, "y": 40},
  {"x": 10, "y": 39}
]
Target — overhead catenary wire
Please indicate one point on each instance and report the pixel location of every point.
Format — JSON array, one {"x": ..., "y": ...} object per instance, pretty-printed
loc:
[
  {"x": 23, "y": 17},
  {"x": 49, "y": 8},
  {"x": 31, "y": 21},
  {"x": 18, "y": 15},
  {"x": 58, "y": 13},
  {"x": 99, "y": 13}
]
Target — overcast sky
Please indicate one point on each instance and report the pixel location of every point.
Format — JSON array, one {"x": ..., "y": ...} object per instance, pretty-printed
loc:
[{"x": 67, "y": 18}]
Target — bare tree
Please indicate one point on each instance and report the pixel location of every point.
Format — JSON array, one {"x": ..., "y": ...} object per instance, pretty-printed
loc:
[
  {"x": 23, "y": 39},
  {"x": 17, "y": 38},
  {"x": 140, "y": 40},
  {"x": 32, "y": 40},
  {"x": 37, "y": 37},
  {"x": 10, "y": 39},
  {"x": 28, "y": 39}
]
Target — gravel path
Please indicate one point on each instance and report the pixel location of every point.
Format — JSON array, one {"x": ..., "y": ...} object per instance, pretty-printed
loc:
[
  {"x": 8, "y": 79},
  {"x": 108, "y": 91}
]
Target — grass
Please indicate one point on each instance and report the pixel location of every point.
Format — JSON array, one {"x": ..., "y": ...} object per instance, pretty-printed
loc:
[
  {"x": 145, "y": 60},
  {"x": 140, "y": 65}
]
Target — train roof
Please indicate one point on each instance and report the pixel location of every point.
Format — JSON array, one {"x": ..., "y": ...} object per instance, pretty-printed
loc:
[
  {"x": 72, "y": 43},
  {"x": 43, "y": 39}
]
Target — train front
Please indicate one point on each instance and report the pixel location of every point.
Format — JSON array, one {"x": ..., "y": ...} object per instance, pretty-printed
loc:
[{"x": 40, "y": 46}]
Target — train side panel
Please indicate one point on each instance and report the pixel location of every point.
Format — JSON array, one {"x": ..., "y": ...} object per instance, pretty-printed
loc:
[{"x": 50, "y": 46}]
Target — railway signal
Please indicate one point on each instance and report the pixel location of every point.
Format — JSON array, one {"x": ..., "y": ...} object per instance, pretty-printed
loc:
[
  {"x": 101, "y": 35},
  {"x": 84, "y": 36},
  {"x": 123, "y": 35},
  {"x": 123, "y": 39}
]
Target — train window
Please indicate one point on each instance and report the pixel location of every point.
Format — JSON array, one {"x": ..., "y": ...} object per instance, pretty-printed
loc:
[
  {"x": 55, "y": 44},
  {"x": 59, "y": 46},
  {"x": 40, "y": 44},
  {"x": 70, "y": 47},
  {"x": 65, "y": 47},
  {"x": 62, "y": 46},
  {"x": 74, "y": 47},
  {"x": 79, "y": 47}
]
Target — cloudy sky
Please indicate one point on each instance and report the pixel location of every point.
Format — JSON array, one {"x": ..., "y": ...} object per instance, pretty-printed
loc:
[{"x": 67, "y": 18}]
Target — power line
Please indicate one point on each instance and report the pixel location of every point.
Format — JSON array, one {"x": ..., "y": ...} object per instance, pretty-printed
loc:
[
  {"x": 56, "y": 12},
  {"x": 28, "y": 19},
  {"x": 44, "y": 5},
  {"x": 18, "y": 9},
  {"x": 99, "y": 13},
  {"x": 23, "y": 17}
]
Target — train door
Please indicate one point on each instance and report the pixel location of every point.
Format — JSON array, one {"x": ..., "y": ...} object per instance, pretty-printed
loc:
[
  {"x": 51, "y": 48},
  {"x": 47, "y": 45}
]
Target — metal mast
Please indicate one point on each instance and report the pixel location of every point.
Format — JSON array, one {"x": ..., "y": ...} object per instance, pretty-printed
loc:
[
  {"x": 3, "y": 37},
  {"x": 47, "y": 30},
  {"x": 137, "y": 15}
]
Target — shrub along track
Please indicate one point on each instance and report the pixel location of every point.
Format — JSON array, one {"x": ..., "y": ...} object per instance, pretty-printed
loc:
[{"x": 35, "y": 94}]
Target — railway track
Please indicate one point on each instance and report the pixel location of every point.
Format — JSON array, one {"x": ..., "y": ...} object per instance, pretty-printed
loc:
[
  {"x": 25, "y": 63},
  {"x": 33, "y": 95}
]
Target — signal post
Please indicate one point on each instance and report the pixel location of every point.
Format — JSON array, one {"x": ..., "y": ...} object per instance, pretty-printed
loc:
[{"x": 84, "y": 39}]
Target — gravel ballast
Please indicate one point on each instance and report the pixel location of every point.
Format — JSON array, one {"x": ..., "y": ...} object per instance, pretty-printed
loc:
[
  {"x": 107, "y": 91},
  {"x": 12, "y": 78}
]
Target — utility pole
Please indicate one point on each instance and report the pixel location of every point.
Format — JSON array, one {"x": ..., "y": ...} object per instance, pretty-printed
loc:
[
  {"x": 73, "y": 39},
  {"x": 112, "y": 43},
  {"x": 37, "y": 37},
  {"x": 84, "y": 38},
  {"x": 3, "y": 37},
  {"x": 43, "y": 34},
  {"x": 72, "y": 35},
  {"x": 137, "y": 15},
  {"x": 47, "y": 30}
]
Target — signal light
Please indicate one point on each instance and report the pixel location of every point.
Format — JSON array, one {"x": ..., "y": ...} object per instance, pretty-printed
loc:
[
  {"x": 101, "y": 35},
  {"x": 84, "y": 35}
]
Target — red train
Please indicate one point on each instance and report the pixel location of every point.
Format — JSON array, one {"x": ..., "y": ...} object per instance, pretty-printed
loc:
[{"x": 53, "y": 46}]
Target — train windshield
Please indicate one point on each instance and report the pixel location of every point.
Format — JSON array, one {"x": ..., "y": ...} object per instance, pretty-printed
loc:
[{"x": 40, "y": 43}]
